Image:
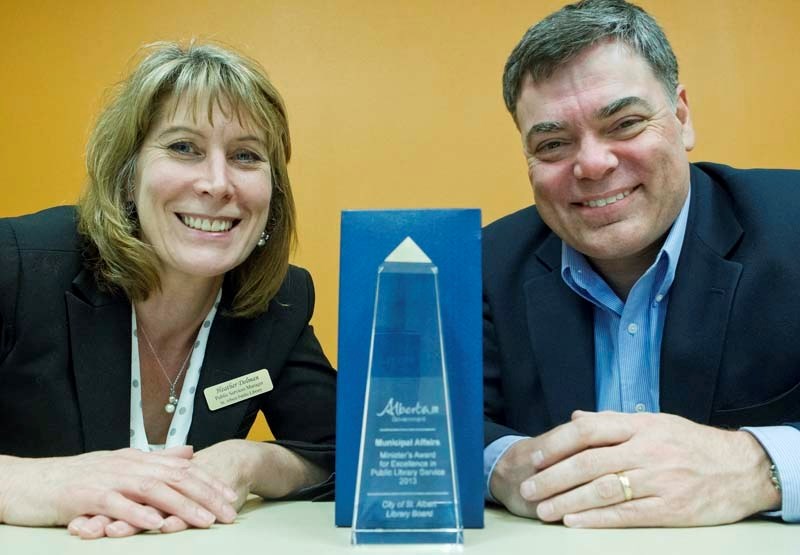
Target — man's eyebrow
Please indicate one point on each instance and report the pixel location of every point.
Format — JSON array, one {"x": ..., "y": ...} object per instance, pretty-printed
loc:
[
  {"x": 610, "y": 109},
  {"x": 547, "y": 127}
]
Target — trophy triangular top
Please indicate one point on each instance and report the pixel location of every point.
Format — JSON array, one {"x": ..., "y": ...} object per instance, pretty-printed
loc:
[{"x": 408, "y": 252}]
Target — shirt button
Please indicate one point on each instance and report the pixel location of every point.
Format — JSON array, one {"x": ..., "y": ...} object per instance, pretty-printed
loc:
[
  {"x": 640, "y": 407},
  {"x": 659, "y": 298},
  {"x": 632, "y": 329}
]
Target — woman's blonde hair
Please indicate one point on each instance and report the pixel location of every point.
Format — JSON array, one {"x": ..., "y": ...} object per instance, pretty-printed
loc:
[{"x": 107, "y": 218}]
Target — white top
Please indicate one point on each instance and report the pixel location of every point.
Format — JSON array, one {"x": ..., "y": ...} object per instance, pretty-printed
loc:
[
  {"x": 408, "y": 251},
  {"x": 182, "y": 417}
]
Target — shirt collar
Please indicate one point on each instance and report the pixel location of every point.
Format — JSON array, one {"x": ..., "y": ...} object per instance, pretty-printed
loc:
[{"x": 579, "y": 275}]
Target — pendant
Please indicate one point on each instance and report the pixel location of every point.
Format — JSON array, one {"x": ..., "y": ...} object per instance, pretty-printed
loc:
[{"x": 171, "y": 404}]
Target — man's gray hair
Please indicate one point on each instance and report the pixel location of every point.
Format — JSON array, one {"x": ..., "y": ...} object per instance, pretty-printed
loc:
[{"x": 562, "y": 35}]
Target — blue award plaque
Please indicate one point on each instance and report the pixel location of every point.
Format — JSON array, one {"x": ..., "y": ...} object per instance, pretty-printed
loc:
[{"x": 406, "y": 481}]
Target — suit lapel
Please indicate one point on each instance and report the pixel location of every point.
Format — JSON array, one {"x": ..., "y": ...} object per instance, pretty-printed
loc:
[
  {"x": 560, "y": 325},
  {"x": 700, "y": 304},
  {"x": 230, "y": 353},
  {"x": 101, "y": 343}
]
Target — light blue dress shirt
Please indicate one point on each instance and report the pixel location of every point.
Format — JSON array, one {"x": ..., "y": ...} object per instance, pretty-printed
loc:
[{"x": 627, "y": 339}]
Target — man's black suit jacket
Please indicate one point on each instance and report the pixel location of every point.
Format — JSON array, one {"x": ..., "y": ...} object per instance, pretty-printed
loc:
[
  {"x": 65, "y": 356},
  {"x": 730, "y": 353}
]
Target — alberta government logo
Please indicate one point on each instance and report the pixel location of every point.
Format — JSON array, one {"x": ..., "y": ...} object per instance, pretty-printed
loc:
[{"x": 399, "y": 410}]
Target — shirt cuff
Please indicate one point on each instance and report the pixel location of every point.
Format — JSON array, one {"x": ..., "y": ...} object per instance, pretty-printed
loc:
[
  {"x": 782, "y": 444},
  {"x": 491, "y": 454}
]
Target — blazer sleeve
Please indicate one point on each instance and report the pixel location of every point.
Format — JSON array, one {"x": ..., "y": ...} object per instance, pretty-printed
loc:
[
  {"x": 494, "y": 427},
  {"x": 303, "y": 405},
  {"x": 9, "y": 286}
]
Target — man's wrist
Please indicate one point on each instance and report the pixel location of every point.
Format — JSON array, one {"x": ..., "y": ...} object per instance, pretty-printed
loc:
[
  {"x": 765, "y": 496},
  {"x": 498, "y": 485},
  {"x": 504, "y": 480}
]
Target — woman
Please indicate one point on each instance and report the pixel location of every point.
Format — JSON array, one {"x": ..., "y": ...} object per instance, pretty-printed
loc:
[{"x": 142, "y": 319}]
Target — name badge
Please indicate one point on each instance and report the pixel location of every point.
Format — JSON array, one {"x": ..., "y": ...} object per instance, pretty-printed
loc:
[{"x": 238, "y": 389}]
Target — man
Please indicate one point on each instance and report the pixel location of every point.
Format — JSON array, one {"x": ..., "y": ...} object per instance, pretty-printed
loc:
[{"x": 657, "y": 291}]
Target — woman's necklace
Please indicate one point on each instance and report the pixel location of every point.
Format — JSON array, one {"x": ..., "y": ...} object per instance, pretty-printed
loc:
[{"x": 172, "y": 402}]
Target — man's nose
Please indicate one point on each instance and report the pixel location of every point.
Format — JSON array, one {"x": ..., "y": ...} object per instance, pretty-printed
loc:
[{"x": 595, "y": 160}]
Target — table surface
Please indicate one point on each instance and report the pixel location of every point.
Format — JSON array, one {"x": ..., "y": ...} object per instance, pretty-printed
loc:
[{"x": 307, "y": 528}]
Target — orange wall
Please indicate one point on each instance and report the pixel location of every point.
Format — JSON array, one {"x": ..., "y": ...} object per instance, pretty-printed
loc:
[{"x": 391, "y": 103}]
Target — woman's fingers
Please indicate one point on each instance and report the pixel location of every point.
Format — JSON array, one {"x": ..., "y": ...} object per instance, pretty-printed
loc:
[
  {"x": 118, "y": 506},
  {"x": 173, "y": 524},
  {"x": 121, "y": 529},
  {"x": 98, "y": 526}
]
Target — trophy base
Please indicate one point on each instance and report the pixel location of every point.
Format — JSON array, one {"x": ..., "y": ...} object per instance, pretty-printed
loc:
[{"x": 442, "y": 537}]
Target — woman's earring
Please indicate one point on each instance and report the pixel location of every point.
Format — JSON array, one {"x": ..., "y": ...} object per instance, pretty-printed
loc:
[{"x": 263, "y": 239}]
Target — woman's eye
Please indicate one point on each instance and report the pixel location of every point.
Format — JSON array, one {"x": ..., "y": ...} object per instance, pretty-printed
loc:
[
  {"x": 247, "y": 157},
  {"x": 183, "y": 147}
]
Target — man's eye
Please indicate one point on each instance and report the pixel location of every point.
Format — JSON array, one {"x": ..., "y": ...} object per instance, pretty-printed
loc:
[
  {"x": 247, "y": 157},
  {"x": 549, "y": 146},
  {"x": 628, "y": 123}
]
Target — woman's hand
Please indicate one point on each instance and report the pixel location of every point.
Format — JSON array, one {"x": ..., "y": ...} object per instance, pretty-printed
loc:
[
  {"x": 265, "y": 469},
  {"x": 225, "y": 461},
  {"x": 126, "y": 485},
  {"x": 232, "y": 462}
]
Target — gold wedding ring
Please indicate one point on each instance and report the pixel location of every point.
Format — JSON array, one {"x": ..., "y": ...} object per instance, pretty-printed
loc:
[{"x": 626, "y": 486}]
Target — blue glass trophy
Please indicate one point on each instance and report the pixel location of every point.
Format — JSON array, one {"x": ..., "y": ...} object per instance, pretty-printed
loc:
[{"x": 406, "y": 482}]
